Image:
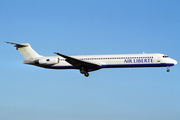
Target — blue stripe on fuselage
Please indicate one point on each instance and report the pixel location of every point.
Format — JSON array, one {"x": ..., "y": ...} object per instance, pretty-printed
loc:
[
  {"x": 118, "y": 66},
  {"x": 137, "y": 65}
]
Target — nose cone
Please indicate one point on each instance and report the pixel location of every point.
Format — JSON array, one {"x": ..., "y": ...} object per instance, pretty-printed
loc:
[{"x": 175, "y": 62}]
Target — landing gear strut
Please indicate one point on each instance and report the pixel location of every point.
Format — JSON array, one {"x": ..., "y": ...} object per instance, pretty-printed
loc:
[{"x": 168, "y": 69}]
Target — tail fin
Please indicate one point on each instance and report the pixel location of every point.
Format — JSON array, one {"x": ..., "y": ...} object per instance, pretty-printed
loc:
[{"x": 26, "y": 50}]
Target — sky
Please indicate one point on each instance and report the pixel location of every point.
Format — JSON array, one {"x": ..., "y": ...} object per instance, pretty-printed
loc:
[{"x": 90, "y": 27}]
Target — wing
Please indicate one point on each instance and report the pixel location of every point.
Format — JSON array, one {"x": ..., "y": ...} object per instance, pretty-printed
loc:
[{"x": 79, "y": 63}]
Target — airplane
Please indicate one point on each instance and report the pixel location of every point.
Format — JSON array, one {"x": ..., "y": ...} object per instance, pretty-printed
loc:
[{"x": 89, "y": 63}]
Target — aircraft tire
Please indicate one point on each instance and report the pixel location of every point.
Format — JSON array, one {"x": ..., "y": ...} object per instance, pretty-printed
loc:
[
  {"x": 82, "y": 71},
  {"x": 86, "y": 74}
]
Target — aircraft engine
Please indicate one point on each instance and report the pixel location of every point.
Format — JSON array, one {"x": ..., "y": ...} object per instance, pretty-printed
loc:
[{"x": 47, "y": 61}]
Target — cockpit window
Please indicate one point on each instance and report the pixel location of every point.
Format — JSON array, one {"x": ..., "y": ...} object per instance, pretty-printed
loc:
[{"x": 165, "y": 56}]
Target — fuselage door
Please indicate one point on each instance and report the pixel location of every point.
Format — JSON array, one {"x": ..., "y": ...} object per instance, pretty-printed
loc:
[{"x": 158, "y": 59}]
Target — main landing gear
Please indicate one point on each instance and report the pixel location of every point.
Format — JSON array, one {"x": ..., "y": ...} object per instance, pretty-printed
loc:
[
  {"x": 82, "y": 71},
  {"x": 168, "y": 69},
  {"x": 86, "y": 74}
]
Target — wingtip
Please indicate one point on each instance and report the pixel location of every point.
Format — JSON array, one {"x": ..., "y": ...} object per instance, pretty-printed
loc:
[{"x": 56, "y": 53}]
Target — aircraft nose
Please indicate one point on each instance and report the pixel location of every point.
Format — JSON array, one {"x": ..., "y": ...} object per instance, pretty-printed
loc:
[{"x": 175, "y": 62}]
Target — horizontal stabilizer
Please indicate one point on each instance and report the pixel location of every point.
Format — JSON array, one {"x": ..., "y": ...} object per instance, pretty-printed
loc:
[{"x": 18, "y": 45}]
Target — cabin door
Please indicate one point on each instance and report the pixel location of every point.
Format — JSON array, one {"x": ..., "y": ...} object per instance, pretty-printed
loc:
[{"x": 158, "y": 59}]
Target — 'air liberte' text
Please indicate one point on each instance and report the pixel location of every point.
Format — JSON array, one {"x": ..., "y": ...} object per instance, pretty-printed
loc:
[{"x": 150, "y": 60}]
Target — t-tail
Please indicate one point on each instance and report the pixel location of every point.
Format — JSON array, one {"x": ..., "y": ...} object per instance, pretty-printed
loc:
[{"x": 26, "y": 50}]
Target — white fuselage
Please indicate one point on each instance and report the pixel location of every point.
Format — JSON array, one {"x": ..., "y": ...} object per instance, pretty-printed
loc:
[
  {"x": 112, "y": 61},
  {"x": 88, "y": 63}
]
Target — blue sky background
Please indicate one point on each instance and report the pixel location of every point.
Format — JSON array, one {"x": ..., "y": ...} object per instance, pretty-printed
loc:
[{"x": 84, "y": 28}]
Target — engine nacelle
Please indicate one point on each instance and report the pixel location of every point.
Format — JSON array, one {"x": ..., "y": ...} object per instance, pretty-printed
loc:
[{"x": 47, "y": 61}]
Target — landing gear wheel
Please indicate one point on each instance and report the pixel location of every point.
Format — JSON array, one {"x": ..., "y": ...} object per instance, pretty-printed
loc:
[
  {"x": 86, "y": 74},
  {"x": 82, "y": 71}
]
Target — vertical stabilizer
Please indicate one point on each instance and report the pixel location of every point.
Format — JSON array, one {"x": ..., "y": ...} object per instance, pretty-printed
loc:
[{"x": 26, "y": 50}]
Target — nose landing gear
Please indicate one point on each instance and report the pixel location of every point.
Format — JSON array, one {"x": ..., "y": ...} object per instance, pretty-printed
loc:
[{"x": 168, "y": 69}]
